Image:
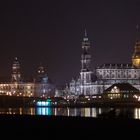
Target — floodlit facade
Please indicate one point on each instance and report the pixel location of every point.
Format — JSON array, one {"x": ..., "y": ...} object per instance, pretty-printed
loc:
[
  {"x": 40, "y": 87},
  {"x": 90, "y": 83}
]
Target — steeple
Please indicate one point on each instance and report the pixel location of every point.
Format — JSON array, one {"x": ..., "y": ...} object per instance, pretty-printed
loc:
[
  {"x": 136, "y": 54},
  {"x": 85, "y": 36},
  {"x": 85, "y": 57},
  {"x": 137, "y": 32},
  {"x": 85, "y": 33},
  {"x": 16, "y": 75},
  {"x": 86, "y": 72},
  {"x": 42, "y": 74},
  {"x": 41, "y": 69}
]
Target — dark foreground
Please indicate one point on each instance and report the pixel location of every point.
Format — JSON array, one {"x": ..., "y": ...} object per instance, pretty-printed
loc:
[{"x": 67, "y": 127}]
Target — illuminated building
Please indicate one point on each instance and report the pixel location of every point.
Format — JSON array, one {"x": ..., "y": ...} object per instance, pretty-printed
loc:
[
  {"x": 121, "y": 91},
  {"x": 40, "y": 87},
  {"x": 106, "y": 75},
  {"x": 85, "y": 84},
  {"x": 43, "y": 85}
]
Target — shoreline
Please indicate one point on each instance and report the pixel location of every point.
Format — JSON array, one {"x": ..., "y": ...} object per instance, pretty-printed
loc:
[{"x": 11, "y": 101}]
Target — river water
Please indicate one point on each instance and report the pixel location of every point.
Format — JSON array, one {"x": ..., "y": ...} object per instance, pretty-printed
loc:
[{"x": 83, "y": 112}]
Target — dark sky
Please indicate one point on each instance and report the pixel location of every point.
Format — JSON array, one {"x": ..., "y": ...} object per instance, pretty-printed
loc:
[{"x": 51, "y": 32}]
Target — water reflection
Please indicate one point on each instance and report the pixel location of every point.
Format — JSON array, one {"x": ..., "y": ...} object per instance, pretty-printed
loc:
[
  {"x": 83, "y": 112},
  {"x": 94, "y": 114},
  {"x": 137, "y": 113},
  {"x": 44, "y": 111},
  {"x": 20, "y": 111},
  {"x": 86, "y": 112}
]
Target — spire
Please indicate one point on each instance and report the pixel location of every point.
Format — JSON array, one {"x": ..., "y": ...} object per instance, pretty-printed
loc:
[
  {"x": 16, "y": 58},
  {"x": 85, "y": 36},
  {"x": 41, "y": 69},
  {"x": 85, "y": 32},
  {"x": 85, "y": 57},
  {"x": 137, "y": 32},
  {"x": 40, "y": 64},
  {"x": 137, "y": 26},
  {"x": 16, "y": 75},
  {"x": 136, "y": 54}
]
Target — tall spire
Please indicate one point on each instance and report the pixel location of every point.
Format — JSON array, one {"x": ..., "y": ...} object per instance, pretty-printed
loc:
[
  {"x": 85, "y": 36},
  {"x": 16, "y": 75},
  {"x": 85, "y": 32},
  {"x": 16, "y": 58},
  {"x": 86, "y": 72},
  {"x": 137, "y": 32},
  {"x": 137, "y": 26},
  {"x": 41, "y": 69},
  {"x": 136, "y": 54},
  {"x": 85, "y": 57}
]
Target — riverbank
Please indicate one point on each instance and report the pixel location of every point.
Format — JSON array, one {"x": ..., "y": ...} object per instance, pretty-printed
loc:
[
  {"x": 20, "y": 101},
  {"x": 13, "y": 102},
  {"x": 61, "y": 126}
]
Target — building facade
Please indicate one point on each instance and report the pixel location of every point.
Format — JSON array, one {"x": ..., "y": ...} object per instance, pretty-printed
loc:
[
  {"x": 90, "y": 83},
  {"x": 40, "y": 87}
]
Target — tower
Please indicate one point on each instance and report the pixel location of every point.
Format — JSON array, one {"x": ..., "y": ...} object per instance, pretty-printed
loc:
[
  {"x": 42, "y": 75},
  {"x": 136, "y": 54},
  {"x": 86, "y": 72},
  {"x": 16, "y": 75},
  {"x": 41, "y": 70}
]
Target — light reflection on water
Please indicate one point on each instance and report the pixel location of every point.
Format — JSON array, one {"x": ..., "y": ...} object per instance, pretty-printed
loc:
[
  {"x": 137, "y": 113},
  {"x": 84, "y": 112}
]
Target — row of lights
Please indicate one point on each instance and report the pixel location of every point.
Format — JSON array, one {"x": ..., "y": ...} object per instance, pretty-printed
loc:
[{"x": 16, "y": 94}]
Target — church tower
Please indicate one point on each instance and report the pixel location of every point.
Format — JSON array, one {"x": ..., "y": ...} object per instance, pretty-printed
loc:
[
  {"x": 16, "y": 75},
  {"x": 42, "y": 74},
  {"x": 136, "y": 54},
  {"x": 86, "y": 72},
  {"x": 41, "y": 70}
]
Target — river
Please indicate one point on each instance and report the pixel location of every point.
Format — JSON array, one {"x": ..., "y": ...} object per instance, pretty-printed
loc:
[{"x": 83, "y": 112}]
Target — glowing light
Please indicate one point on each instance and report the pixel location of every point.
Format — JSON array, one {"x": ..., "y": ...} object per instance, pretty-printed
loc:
[
  {"x": 44, "y": 103},
  {"x": 87, "y": 112},
  {"x": 94, "y": 112},
  {"x": 136, "y": 62},
  {"x": 137, "y": 113},
  {"x": 68, "y": 111},
  {"x": 135, "y": 96},
  {"x": 44, "y": 111},
  {"x": 93, "y": 96},
  {"x": 115, "y": 90}
]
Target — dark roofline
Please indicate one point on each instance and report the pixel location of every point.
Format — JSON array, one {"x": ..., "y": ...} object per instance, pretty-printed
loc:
[{"x": 122, "y": 87}]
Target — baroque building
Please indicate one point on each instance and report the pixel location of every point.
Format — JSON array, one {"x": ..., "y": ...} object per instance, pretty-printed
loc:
[
  {"x": 106, "y": 75},
  {"x": 40, "y": 87}
]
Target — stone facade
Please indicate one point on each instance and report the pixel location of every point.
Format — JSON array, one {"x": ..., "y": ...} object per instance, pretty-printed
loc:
[{"x": 90, "y": 83}]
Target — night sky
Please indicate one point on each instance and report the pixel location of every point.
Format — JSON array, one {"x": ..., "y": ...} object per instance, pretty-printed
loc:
[{"x": 51, "y": 32}]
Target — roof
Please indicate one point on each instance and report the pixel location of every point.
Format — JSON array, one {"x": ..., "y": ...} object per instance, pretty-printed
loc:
[
  {"x": 123, "y": 87},
  {"x": 115, "y": 66}
]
